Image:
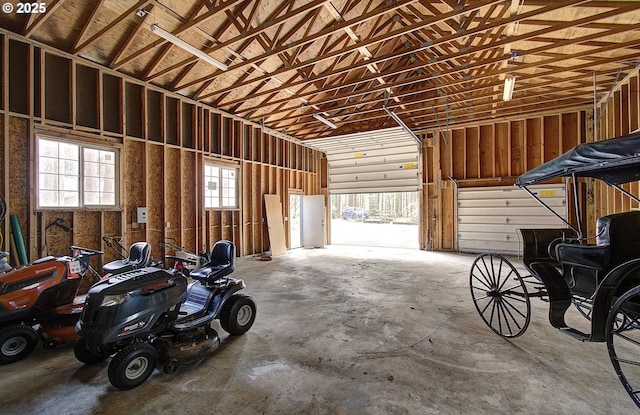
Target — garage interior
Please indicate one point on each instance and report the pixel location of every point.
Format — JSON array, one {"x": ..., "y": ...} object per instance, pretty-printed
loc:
[{"x": 452, "y": 100}]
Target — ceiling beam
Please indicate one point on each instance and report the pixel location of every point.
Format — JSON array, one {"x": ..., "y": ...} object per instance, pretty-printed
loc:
[
  {"x": 108, "y": 27},
  {"x": 35, "y": 20},
  {"x": 322, "y": 34},
  {"x": 186, "y": 26},
  {"x": 483, "y": 63},
  {"x": 408, "y": 51}
]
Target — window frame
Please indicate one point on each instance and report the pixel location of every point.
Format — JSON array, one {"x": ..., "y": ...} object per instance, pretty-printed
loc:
[
  {"x": 221, "y": 167},
  {"x": 82, "y": 145}
]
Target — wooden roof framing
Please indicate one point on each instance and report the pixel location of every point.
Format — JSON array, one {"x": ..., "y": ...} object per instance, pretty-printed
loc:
[{"x": 433, "y": 62}]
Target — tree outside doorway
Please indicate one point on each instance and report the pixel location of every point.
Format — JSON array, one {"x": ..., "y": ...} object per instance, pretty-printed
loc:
[{"x": 375, "y": 219}]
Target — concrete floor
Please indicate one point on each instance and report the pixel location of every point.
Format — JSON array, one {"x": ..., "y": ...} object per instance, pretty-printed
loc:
[
  {"x": 352, "y": 232},
  {"x": 347, "y": 330}
]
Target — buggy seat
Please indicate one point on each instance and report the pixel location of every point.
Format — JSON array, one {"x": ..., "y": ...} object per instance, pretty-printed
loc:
[
  {"x": 139, "y": 257},
  {"x": 617, "y": 241},
  {"x": 222, "y": 262}
]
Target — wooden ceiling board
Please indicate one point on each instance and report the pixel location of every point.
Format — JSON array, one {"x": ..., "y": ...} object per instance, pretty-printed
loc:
[
  {"x": 431, "y": 61},
  {"x": 63, "y": 26}
]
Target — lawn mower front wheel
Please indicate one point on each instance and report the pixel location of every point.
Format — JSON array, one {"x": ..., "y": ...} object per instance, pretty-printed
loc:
[
  {"x": 132, "y": 366},
  {"x": 16, "y": 342}
]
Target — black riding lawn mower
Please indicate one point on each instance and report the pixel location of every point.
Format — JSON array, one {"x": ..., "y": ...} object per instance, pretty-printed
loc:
[{"x": 151, "y": 315}]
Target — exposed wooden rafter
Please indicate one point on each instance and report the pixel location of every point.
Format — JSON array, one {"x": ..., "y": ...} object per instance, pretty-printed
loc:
[{"x": 430, "y": 61}]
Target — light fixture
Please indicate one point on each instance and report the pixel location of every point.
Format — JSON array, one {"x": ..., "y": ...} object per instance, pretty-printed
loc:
[
  {"x": 400, "y": 123},
  {"x": 325, "y": 121},
  {"x": 189, "y": 48},
  {"x": 509, "y": 85}
]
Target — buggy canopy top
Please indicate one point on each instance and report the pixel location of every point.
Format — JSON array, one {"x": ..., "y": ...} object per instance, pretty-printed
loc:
[{"x": 615, "y": 161}]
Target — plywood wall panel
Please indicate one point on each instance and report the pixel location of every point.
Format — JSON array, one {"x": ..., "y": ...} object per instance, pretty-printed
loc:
[
  {"x": 236, "y": 228},
  {"x": 189, "y": 185},
  {"x": 57, "y": 241},
  {"x": 87, "y": 229},
  {"x": 445, "y": 155},
  {"x": 155, "y": 198},
  {"x": 457, "y": 146},
  {"x": 225, "y": 225},
  {"x": 570, "y": 131},
  {"x": 634, "y": 188},
  {"x": 472, "y": 156},
  {"x": 487, "y": 151},
  {"x": 161, "y": 138},
  {"x": 111, "y": 226},
  {"x": 19, "y": 182},
  {"x": 134, "y": 187},
  {"x": 610, "y": 120},
  {"x": 173, "y": 186},
  {"x": 551, "y": 125},
  {"x": 518, "y": 149},
  {"x": 502, "y": 150},
  {"x": 634, "y": 103},
  {"x": 617, "y": 113},
  {"x": 534, "y": 142},
  {"x": 214, "y": 226},
  {"x": 427, "y": 164},
  {"x": 447, "y": 217},
  {"x": 624, "y": 109},
  {"x": 247, "y": 235}
]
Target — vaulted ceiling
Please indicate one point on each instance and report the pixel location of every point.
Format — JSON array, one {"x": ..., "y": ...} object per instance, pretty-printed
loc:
[{"x": 434, "y": 63}]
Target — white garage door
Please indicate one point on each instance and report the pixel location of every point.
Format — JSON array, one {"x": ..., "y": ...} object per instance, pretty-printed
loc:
[
  {"x": 489, "y": 217},
  {"x": 371, "y": 162}
]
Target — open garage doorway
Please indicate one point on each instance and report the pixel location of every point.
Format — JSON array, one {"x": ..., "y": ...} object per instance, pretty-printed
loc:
[{"x": 375, "y": 219}]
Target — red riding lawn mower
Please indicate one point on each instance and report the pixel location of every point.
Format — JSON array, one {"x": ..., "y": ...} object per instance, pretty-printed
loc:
[{"x": 41, "y": 300}]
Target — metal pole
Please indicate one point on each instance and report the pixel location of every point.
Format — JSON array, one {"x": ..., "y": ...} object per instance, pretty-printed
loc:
[
  {"x": 575, "y": 202},
  {"x": 548, "y": 208},
  {"x": 595, "y": 108}
]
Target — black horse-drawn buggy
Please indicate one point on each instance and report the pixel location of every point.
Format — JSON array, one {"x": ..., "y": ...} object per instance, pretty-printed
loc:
[{"x": 598, "y": 274}]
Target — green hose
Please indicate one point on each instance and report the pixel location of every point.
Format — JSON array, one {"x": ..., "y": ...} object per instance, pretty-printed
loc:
[{"x": 17, "y": 239}]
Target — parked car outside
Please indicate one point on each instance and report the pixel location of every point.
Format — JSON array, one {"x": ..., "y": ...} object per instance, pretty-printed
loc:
[{"x": 353, "y": 213}]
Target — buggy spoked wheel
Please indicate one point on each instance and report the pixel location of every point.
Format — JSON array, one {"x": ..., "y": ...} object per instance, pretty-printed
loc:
[
  {"x": 16, "y": 342},
  {"x": 132, "y": 366},
  {"x": 623, "y": 341},
  {"x": 500, "y": 295}
]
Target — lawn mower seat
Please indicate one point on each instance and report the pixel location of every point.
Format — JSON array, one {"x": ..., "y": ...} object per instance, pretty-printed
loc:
[
  {"x": 617, "y": 241},
  {"x": 139, "y": 257},
  {"x": 222, "y": 262}
]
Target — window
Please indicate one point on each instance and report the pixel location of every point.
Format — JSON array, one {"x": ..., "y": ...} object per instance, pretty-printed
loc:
[
  {"x": 220, "y": 186},
  {"x": 75, "y": 175}
]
